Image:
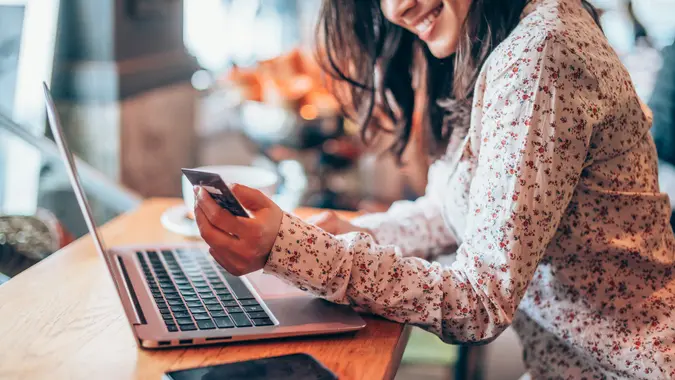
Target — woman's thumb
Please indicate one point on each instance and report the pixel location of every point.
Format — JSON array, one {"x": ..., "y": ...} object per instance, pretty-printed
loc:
[{"x": 251, "y": 199}]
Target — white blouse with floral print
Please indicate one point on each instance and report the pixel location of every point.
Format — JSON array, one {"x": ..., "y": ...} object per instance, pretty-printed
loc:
[{"x": 554, "y": 204}]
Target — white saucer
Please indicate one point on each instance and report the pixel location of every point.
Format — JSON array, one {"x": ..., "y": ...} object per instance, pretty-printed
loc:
[{"x": 176, "y": 220}]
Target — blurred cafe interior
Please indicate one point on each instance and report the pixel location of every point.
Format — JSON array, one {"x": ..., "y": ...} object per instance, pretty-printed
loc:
[{"x": 147, "y": 87}]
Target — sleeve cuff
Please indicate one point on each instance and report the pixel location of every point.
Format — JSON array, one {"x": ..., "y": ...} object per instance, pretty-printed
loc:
[
  {"x": 276, "y": 262},
  {"x": 291, "y": 256}
]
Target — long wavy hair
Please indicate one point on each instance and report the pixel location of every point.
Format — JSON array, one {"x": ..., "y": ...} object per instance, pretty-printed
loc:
[{"x": 373, "y": 63}]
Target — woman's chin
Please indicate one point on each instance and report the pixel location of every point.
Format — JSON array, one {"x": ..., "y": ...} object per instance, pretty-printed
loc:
[{"x": 441, "y": 49}]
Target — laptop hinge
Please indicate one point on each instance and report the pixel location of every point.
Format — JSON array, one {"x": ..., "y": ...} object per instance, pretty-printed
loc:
[{"x": 137, "y": 318}]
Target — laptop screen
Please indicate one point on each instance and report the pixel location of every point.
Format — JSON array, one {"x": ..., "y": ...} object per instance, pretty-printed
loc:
[{"x": 57, "y": 131}]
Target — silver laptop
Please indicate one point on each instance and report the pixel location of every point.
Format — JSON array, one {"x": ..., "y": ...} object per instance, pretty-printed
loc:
[{"x": 177, "y": 295}]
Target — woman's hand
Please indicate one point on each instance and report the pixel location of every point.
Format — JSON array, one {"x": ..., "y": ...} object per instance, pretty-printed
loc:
[
  {"x": 335, "y": 224},
  {"x": 240, "y": 245}
]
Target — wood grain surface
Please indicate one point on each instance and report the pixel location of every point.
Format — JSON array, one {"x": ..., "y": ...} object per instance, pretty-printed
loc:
[{"x": 62, "y": 319}]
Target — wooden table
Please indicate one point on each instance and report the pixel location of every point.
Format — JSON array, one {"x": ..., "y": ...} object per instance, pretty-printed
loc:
[{"x": 62, "y": 319}]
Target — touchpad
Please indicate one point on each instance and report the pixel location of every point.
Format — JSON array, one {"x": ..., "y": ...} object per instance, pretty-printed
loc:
[{"x": 269, "y": 286}]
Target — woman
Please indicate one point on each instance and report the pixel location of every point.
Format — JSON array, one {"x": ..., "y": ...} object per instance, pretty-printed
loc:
[{"x": 551, "y": 194}]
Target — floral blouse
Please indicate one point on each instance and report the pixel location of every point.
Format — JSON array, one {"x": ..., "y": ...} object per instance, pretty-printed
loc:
[{"x": 554, "y": 204}]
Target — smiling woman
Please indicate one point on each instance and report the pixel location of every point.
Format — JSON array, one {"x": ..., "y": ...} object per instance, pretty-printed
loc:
[
  {"x": 376, "y": 58},
  {"x": 551, "y": 195}
]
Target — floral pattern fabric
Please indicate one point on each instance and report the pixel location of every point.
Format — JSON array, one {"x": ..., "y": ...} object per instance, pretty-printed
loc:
[{"x": 553, "y": 201}]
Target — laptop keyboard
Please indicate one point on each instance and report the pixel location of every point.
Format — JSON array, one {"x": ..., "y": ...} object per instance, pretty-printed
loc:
[{"x": 193, "y": 293}]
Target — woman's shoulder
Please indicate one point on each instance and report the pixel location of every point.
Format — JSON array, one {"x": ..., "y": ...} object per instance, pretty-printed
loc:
[{"x": 552, "y": 27}]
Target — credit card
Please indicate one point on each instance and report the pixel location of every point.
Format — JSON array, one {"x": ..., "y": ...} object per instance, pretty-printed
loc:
[{"x": 220, "y": 192}]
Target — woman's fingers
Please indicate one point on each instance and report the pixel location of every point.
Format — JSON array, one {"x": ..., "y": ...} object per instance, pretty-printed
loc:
[
  {"x": 251, "y": 199},
  {"x": 236, "y": 255},
  {"x": 229, "y": 261},
  {"x": 320, "y": 218},
  {"x": 217, "y": 216},
  {"x": 214, "y": 236},
  {"x": 327, "y": 221},
  {"x": 241, "y": 245}
]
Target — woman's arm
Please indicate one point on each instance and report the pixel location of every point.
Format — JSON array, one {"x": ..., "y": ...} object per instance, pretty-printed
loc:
[
  {"x": 533, "y": 144},
  {"x": 416, "y": 227}
]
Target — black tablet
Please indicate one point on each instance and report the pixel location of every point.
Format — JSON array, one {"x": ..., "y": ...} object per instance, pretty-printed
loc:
[{"x": 287, "y": 367}]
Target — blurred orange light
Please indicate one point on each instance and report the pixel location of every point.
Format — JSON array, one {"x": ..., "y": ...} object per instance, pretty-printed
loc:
[{"x": 309, "y": 112}]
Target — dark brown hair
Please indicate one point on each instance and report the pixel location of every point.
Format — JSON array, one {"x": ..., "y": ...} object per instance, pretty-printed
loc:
[{"x": 373, "y": 62}]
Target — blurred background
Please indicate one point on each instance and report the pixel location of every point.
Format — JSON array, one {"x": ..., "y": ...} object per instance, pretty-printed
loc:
[{"x": 146, "y": 87}]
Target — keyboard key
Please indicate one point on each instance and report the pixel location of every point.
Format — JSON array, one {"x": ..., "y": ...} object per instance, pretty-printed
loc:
[
  {"x": 188, "y": 292},
  {"x": 199, "y": 316},
  {"x": 206, "y": 296},
  {"x": 224, "y": 323},
  {"x": 167, "y": 317},
  {"x": 194, "y": 303},
  {"x": 240, "y": 320},
  {"x": 225, "y": 297},
  {"x": 171, "y": 290},
  {"x": 188, "y": 297},
  {"x": 253, "y": 308},
  {"x": 218, "y": 313},
  {"x": 164, "y": 309},
  {"x": 238, "y": 287},
  {"x": 175, "y": 302},
  {"x": 214, "y": 307},
  {"x": 206, "y": 324},
  {"x": 181, "y": 314},
  {"x": 191, "y": 327},
  {"x": 202, "y": 289},
  {"x": 171, "y": 327},
  {"x": 236, "y": 309},
  {"x": 262, "y": 322},
  {"x": 211, "y": 301},
  {"x": 197, "y": 310},
  {"x": 173, "y": 296},
  {"x": 248, "y": 302},
  {"x": 257, "y": 314},
  {"x": 221, "y": 287},
  {"x": 184, "y": 321},
  {"x": 178, "y": 308}
]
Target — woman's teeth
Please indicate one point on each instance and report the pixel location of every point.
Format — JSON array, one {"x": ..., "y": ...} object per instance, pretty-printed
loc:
[{"x": 429, "y": 20}]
